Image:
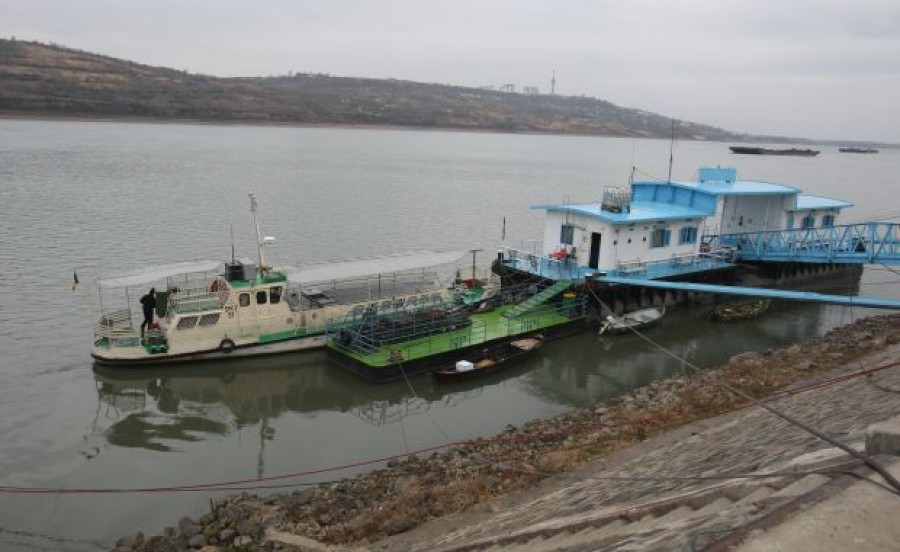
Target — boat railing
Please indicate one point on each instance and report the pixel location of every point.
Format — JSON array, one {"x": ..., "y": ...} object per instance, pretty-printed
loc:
[
  {"x": 722, "y": 254},
  {"x": 562, "y": 267},
  {"x": 382, "y": 284},
  {"x": 181, "y": 302},
  {"x": 197, "y": 296},
  {"x": 674, "y": 264},
  {"x": 429, "y": 339},
  {"x": 635, "y": 266},
  {"x": 477, "y": 333},
  {"x": 116, "y": 323}
]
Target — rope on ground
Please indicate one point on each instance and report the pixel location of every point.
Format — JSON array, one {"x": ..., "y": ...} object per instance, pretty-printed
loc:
[
  {"x": 212, "y": 486},
  {"x": 767, "y": 407},
  {"x": 95, "y": 545},
  {"x": 870, "y": 379}
]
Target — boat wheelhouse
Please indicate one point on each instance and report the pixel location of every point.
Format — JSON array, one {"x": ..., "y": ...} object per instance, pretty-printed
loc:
[{"x": 212, "y": 309}]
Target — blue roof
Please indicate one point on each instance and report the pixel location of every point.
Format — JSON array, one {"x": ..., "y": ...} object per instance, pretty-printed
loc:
[
  {"x": 740, "y": 187},
  {"x": 808, "y": 202},
  {"x": 644, "y": 211}
]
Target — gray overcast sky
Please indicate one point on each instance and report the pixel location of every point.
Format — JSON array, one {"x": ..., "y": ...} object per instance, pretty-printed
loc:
[{"x": 810, "y": 68}]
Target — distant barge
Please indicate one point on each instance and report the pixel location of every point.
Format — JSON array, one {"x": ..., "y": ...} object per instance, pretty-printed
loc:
[
  {"x": 857, "y": 150},
  {"x": 768, "y": 151}
]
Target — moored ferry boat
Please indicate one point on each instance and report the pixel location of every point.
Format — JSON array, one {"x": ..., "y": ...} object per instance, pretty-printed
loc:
[{"x": 211, "y": 309}]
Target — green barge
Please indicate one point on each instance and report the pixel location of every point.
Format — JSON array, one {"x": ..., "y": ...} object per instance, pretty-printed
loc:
[{"x": 385, "y": 346}]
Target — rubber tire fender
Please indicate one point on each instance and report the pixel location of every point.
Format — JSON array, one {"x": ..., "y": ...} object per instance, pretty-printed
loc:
[{"x": 226, "y": 346}]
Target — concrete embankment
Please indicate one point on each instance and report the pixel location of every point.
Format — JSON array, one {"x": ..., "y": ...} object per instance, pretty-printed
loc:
[{"x": 399, "y": 499}]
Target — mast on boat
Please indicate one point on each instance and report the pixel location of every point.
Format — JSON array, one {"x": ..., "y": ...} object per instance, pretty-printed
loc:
[{"x": 261, "y": 241}]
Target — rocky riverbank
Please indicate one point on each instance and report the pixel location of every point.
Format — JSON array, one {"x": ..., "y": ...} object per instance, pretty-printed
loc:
[{"x": 413, "y": 490}]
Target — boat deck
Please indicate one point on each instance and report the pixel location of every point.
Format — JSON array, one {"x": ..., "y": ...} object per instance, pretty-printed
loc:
[{"x": 486, "y": 327}]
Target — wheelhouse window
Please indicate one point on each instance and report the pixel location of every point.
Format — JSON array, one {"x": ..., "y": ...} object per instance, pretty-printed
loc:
[
  {"x": 262, "y": 297},
  {"x": 688, "y": 235},
  {"x": 187, "y": 322},
  {"x": 660, "y": 237},
  {"x": 275, "y": 295},
  {"x": 809, "y": 221},
  {"x": 210, "y": 319},
  {"x": 244, "y": 300},
  {"x": 828, "y": 221},
  {"x": 567, "y": 234}
]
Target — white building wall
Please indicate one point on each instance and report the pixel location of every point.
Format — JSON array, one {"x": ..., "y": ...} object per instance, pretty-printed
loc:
[
  {"x": 553, "y": 222},
  {"x": 618, "y": 243},
  {"x": 751, "y": 214}
]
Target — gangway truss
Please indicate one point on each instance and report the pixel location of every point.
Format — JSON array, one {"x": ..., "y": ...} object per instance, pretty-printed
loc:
[{"x": 865, "y": 243}]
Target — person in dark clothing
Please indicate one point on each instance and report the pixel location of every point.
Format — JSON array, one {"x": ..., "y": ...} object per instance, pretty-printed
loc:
[{"x": 148, "y": 303}]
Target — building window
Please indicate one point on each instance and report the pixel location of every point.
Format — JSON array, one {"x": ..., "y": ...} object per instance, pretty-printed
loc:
[
  {"x": 809, "y": 221},
  {"x": 688, "y": 234},
  {"x": 567, "y": 235},
  {"x": 660, "y": 238},
  {"x": 827, "y": 221}
]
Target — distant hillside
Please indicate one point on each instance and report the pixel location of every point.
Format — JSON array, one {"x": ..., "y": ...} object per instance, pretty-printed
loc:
[{"x": 37, "y": 79}]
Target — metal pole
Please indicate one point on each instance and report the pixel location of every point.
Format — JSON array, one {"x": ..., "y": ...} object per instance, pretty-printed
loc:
[{"x": 474, "y": 252}]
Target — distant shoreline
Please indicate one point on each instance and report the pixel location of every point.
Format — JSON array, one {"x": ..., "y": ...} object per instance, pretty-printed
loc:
[{"x": 6, "y": 115}]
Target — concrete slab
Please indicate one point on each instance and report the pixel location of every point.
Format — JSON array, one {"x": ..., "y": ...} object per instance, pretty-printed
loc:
[
  {"x": 862, "y": 518},
  {"x": 884, "y": 437}
]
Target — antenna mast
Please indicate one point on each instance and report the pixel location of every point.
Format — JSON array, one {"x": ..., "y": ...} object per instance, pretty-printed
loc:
[
  {"x": 260, "y": 244},
  {"x": 553, "y": 83},
  {"x": 231, "y": 229}
]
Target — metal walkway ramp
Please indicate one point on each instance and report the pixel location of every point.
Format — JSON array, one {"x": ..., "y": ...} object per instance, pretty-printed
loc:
[
  {"x": 538, "y": 299},
  {"x": 866, "y": 243},
  {"x": 846, "y": 300}
]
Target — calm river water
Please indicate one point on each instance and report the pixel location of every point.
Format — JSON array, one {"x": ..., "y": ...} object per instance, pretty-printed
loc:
[{"x": 96, "y": 197}]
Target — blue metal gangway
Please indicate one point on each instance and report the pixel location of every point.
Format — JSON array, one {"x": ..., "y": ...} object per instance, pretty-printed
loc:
[
  {"x": 865, "y": 243},
  {"x": 845, "y": 300}
]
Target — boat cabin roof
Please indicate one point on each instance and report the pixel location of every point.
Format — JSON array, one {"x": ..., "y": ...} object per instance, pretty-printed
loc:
[
  {"x": 810, "y": 202},
  {"x": 664, "y": 200},
  {"x": 371, "y": 266},
  {"x": 155, "y": 273},
  {"x": 643, "y": 211},
  {"x": 738, "y": 187}
]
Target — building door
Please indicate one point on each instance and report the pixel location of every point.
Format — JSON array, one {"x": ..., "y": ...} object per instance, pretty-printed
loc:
[{"x": 594, "y": 260}]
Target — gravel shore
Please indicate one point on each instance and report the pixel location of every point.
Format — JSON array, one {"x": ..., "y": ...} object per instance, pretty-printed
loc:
[{"x": 411, "y": 491}]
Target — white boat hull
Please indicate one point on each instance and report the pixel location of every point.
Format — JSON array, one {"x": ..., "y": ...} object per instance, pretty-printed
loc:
[{"x": 241, "y": 351}]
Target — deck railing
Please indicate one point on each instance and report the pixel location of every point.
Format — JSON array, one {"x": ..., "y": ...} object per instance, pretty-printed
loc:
[
  {"x": 386, "y": 349},
  {"x": 567, "y": 269}
]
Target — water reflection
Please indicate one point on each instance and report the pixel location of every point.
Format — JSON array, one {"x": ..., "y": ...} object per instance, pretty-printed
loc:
[
  {"x": 587, "y": 369},
  {"x": 143, "y": 430},
  {"x": 149, "y": 406}
]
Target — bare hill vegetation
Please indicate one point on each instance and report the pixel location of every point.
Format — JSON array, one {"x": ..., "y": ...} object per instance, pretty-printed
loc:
[{"x": 48, "y": 80}]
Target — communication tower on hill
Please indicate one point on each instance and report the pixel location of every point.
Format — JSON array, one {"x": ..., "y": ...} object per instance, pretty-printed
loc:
[{"x": 553, "y": 83}]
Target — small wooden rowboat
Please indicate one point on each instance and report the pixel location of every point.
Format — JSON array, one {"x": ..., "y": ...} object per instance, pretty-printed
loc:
[{"x": 490, "y": 360}]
